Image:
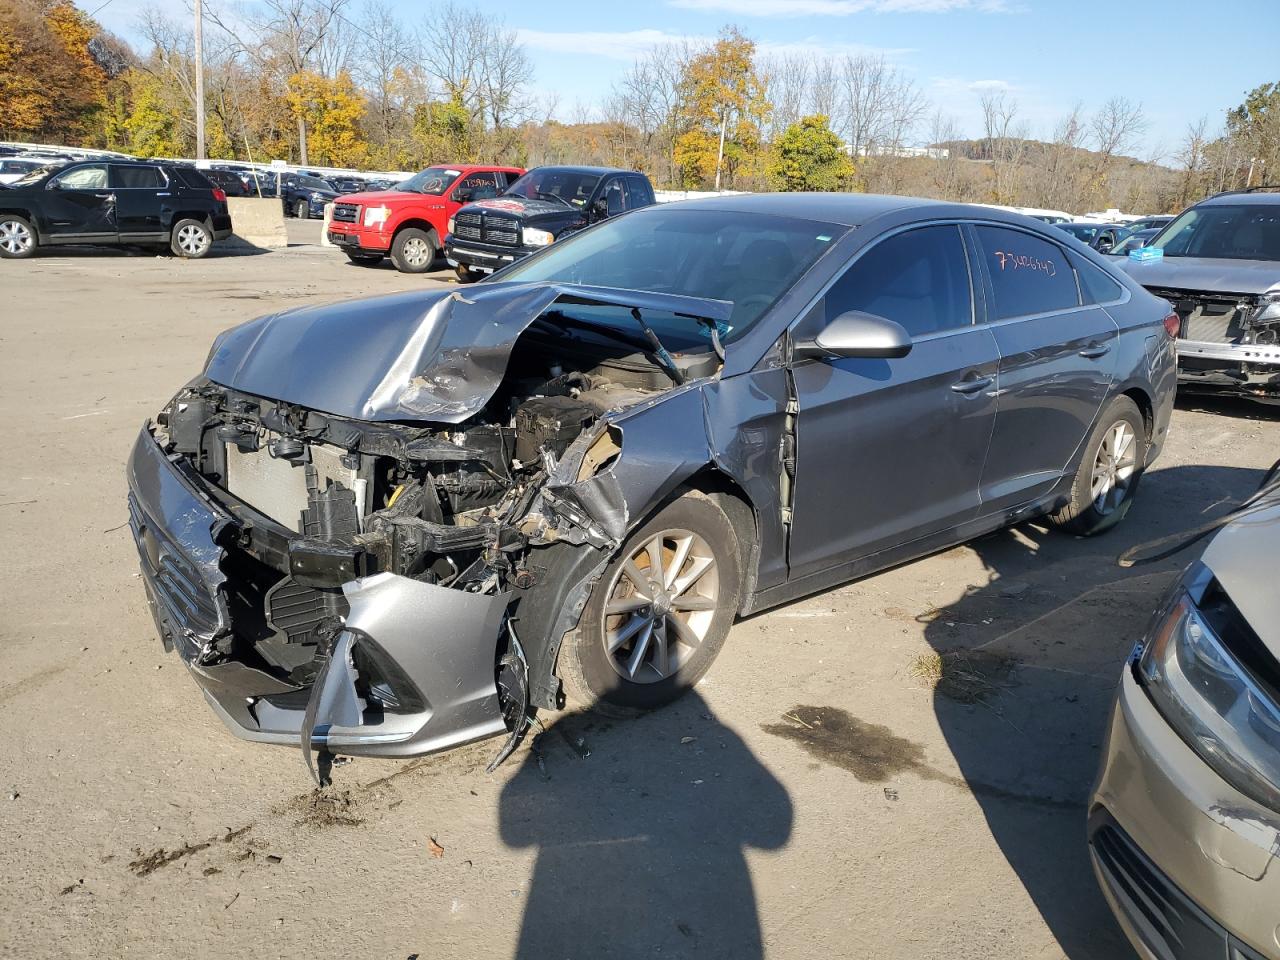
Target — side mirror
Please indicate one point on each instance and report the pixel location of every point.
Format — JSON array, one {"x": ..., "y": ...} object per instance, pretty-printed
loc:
[
  {"x": 600, "y": 209},
  {"x": 463, "y": 195},
  {"x": 857, "y": 334}
]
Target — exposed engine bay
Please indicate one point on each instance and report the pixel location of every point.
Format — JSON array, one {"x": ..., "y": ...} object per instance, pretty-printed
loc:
[
  {"x": 460, "y": 506},
  {"x": 1212, "y": 320}
]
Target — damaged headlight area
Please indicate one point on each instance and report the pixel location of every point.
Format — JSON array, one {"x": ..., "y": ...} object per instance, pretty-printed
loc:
[
  {"x": 1214, "y": 682},
  {"x": 348, "y": 585}
]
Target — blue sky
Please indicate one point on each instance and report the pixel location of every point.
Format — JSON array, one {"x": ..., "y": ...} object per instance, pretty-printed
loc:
[{"x": 1048, "y": 54}]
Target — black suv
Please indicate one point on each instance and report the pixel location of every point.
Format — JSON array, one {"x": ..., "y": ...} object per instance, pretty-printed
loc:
[
  {"x": 113, "y": 202},
  {"x": 304, "y": 196},
  {"x": 545, "y": 204}
]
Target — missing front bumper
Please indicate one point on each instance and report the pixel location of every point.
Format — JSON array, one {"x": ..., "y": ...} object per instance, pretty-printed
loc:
[{"x": 436, "y": 647}]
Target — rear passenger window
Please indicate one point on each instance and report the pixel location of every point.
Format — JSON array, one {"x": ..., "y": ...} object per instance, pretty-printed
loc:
[
  {"x": 1028, "y": 274},
  {"x": 129, "y": 178},
  {"x": 1095, "y": 285},
  {"x": 638, "y": 193},
  {"x": 919, "y": 279}
]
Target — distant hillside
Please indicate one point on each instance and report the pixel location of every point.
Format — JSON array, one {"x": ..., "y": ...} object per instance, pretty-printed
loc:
[{"x": 1035, "y": 151}]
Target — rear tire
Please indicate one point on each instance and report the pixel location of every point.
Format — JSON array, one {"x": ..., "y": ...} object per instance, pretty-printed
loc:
[
  {"x": 464, "y": 275},
  {"x": 191, "y": 239},
  {"x": 1107, "y": 479},
  {"x": 302, "y": 210},
  {"x": 17, "y": 237},
  {"x": 413, "y": 251},
  {"x": 364, "y": 259},
  {"x": 643, "y": 640}
]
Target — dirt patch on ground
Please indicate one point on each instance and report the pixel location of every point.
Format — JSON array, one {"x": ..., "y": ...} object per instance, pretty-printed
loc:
[
  {"x": 965, "y": 676},
  {"x": 146, "y": 864},
  {"x": 327, "y": 807}
]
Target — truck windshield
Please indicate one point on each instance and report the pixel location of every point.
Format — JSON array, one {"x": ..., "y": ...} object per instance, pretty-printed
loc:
[
  {"x": 748, "y": 259},
  {"x": 1224, "y": 232},
  {"x": 572, "y": 187},
  {"x": 433, "y": 180}
]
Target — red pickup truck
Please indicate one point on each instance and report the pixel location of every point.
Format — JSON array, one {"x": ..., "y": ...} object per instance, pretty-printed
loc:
[{"x": 409, "y": 223}]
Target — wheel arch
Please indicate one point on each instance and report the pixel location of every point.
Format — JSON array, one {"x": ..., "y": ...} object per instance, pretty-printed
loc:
[
  {"x": 420, "y": 224},
  {"x": 1142, "y": 399}
]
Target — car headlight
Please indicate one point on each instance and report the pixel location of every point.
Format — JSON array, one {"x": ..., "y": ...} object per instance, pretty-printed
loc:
[
  {"x": 319, "y": 197},
  {"x": 536, "y": 238},
  {"x": 1211, "y": 699},
  {"x": 1268, "y": 309},
  {"x": 376, "y": 216}
]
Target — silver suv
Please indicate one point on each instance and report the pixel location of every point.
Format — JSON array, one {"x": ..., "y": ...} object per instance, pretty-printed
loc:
[{"x": 1219, "y": 265}]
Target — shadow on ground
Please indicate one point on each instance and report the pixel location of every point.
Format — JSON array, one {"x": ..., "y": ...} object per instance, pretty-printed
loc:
[
  {"x": 640, "y": 851},
  {"x": 1025, "y": 669}
]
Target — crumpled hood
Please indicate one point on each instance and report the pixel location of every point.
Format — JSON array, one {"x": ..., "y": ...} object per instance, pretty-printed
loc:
[
  {"x": 1197, "y": 273},
  {"x": 1243, "y": 555},
  {"x": 423, "y": 355}
]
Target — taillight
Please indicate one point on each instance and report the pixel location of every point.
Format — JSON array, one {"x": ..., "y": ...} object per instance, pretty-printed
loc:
[
  {"x": 1172, "y": 324},
  {"x": 219, "y": 194}
]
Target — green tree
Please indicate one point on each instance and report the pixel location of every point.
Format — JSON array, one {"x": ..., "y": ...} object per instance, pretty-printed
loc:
[
  {"x": 444, "y": 131},
  {"x": 151, "y": 127},
  {"x": 809, "y": 156}
]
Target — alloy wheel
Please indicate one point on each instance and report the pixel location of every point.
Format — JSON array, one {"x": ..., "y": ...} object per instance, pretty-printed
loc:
[
  {"x": 15, "y": 237},
  {"x": 1114, "y": 467},
  {"x": 192, "y": 240},
  {"x": 660, "y": 607}
]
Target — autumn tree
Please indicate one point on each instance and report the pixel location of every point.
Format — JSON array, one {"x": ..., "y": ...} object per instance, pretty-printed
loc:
[
  {"x": 51, "y": 85},
  {"x": 722, "y": 111},
  {"x": 809, "y": 156},
  {"x": 331, "y": 109}
]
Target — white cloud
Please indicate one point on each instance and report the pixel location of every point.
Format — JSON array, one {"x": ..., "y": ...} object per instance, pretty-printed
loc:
[
  {"x": 838, "y": 8},
  {"x": 627, "y": 45},
  {"x": 817, "y": 47}
]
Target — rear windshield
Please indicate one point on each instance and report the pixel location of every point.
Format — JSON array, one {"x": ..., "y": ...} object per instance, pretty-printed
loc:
[{"x": 1224, "y": 232}]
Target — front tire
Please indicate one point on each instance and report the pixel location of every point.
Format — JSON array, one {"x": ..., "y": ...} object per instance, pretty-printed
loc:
[
  {"x": 413, "y": 251},
  {"x": 1107, "y": 479},
  {"x": 660, "y": 612},
  {"x": 191, "y": 239},
  {"x": 17, "y": 237},
  {"x": 302, "y": 210}
]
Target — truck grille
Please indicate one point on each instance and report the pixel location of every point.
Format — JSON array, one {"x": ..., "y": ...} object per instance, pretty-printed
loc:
[
  {"x": 487, "y": 228},
  {"x": 346, "y": 212}
]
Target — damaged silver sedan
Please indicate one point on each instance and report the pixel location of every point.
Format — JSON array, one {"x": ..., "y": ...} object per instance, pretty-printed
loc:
[{"x": 391, "y": 526}]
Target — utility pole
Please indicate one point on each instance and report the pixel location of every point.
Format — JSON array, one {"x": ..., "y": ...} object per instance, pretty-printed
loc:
[
  {"x": 199, "y": 84},
  {"x": 724, "y": 122}
]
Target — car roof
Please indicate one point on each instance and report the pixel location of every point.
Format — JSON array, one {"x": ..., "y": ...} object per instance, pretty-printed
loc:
[
  {"x": 1239, "y": 198},
  {"x": 849, "y": 209},
  {"x": 572, "y": 168}
]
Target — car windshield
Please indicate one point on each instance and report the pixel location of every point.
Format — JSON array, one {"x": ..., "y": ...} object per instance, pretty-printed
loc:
[
  {"x": 746, "y": 258},
  {"x": 34, "y": 176},
  {"x": 1224, "y": 232},
  {"x": 433, "y": 180},
  {"x": 572, "y": 187},
  {"x": 1134, "y": 241}
]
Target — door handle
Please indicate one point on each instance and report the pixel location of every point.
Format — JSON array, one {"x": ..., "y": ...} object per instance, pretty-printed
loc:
[
  {"x": 976, "y": 385},
  {"x": 1095, "y": 350},
  {"x": 109, "y": 197}
]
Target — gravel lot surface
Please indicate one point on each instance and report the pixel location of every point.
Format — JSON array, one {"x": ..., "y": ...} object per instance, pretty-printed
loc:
[{"x": 817, "y": 796}]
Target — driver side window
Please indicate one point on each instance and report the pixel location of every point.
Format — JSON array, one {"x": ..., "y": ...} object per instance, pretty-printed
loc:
[
  {"x": 82, "y": 178},
  {"x": 919, "y": 279}
]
